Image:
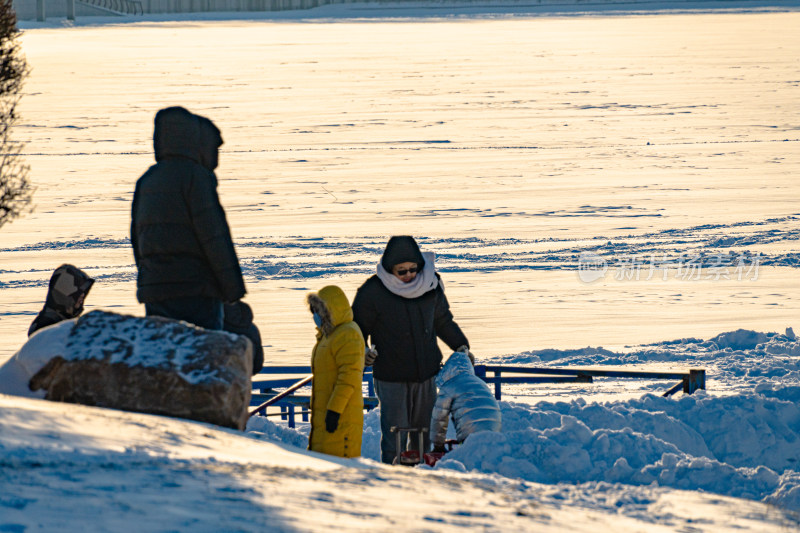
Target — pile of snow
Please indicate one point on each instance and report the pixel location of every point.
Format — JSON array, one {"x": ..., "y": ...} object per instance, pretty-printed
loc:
[
  {"x": 91, "y": 469},
  {"x": 745, "y": 445}
]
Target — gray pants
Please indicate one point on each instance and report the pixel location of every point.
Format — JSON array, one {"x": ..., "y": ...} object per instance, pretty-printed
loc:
[{"x": 405, "y": 405}]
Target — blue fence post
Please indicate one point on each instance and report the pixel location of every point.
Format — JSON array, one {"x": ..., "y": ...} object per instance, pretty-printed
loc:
[
  {"x": 480, "y": 371},
  {"x": 370, "y": 385},
  {"x": 696, "y": 380},
  {"x": 291, "y": 414},
  {"x": 284, "y": 412}
]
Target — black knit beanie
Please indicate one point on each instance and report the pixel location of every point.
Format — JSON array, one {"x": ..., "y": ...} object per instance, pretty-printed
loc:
[{"x": 401, "y": 249}]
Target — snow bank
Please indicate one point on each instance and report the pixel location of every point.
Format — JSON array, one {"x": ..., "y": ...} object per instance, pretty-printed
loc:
[
  {"x": 104, "y": 470},
  {"x": 744, "y": 445}
]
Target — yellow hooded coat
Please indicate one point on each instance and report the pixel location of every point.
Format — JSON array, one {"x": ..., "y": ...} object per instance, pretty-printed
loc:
[{"x": 337, "y": 363}]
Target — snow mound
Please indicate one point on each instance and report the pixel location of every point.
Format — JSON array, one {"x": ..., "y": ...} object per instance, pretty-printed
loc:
[
  {"x": 743, "y": 445},
  {"x": 741, "y": 339}
]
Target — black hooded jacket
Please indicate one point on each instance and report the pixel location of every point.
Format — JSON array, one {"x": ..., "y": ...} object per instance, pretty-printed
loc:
[
  {"x": 404, "y": 330},
  {"x": 69, "y": 286},
  {"x": 180, "y": 236}
]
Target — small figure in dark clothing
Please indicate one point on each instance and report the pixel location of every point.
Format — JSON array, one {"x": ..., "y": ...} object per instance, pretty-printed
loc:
[
  {"x": 239, "y": 320},
  {"x": 181, "y": 241},
  {"x": 68, "y": 288},
  {"x": 402, "y": 309}
]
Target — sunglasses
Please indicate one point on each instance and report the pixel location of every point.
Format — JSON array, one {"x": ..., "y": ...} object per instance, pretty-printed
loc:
[{"x": 403, "y": 271}]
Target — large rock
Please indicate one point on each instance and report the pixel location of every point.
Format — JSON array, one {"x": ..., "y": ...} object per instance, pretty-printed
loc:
[{"x": 152, "y": 365}]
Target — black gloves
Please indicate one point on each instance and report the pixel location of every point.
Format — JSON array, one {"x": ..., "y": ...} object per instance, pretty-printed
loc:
[
  {"x": 370, "y": 354},
  {"x": 331, "y": 421},
  {"x": 439, "y": 448}
]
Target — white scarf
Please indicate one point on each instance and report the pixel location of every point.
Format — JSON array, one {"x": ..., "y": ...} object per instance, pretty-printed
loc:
[{"x": 425, "y": 281}]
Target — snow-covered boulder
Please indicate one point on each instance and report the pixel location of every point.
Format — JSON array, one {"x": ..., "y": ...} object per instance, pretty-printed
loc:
[{"x": 152, "y": 365}]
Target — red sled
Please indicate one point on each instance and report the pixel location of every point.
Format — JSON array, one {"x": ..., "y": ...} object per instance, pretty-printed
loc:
[
  {"x": 431, "y": 458},
  {"x": 411, "y": 457}
]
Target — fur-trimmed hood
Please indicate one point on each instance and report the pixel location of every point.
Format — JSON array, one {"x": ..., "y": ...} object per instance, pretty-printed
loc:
[{"x": 331, "y": 304}]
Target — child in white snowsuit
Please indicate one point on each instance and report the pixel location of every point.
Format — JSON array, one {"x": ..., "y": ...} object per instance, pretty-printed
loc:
[{"x": 464, "y": 396}]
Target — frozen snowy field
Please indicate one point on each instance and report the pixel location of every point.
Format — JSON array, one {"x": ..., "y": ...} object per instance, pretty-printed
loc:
[
  {"x": 508, "y": 144},
  {"x": 661, "y": 147}
]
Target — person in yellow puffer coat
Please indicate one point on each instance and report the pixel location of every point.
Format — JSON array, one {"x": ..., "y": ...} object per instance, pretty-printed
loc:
[{"x": 337, "y": 362}]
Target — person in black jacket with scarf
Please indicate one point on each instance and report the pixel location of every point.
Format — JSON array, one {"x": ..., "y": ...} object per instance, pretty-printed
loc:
[
  {"x": 402, "y": 310},
  {"x": 182, "y": 244}
]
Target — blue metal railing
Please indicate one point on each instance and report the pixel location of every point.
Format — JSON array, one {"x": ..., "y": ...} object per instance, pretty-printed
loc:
[
  {"x": 264, "y": 388},
  {"x": 264, "y": 384},
  {"x": 690, "y": 380}
]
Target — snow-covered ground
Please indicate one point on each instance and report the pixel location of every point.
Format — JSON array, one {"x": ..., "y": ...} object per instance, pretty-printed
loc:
[
  {"x": 605, "y": 188},
  {"x": 705, "y": 462}
]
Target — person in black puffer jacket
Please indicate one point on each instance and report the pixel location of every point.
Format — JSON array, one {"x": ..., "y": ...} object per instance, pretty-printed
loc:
[
  {"x": 182, "y": 245},
  {"x": 402, "y": 310}
]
